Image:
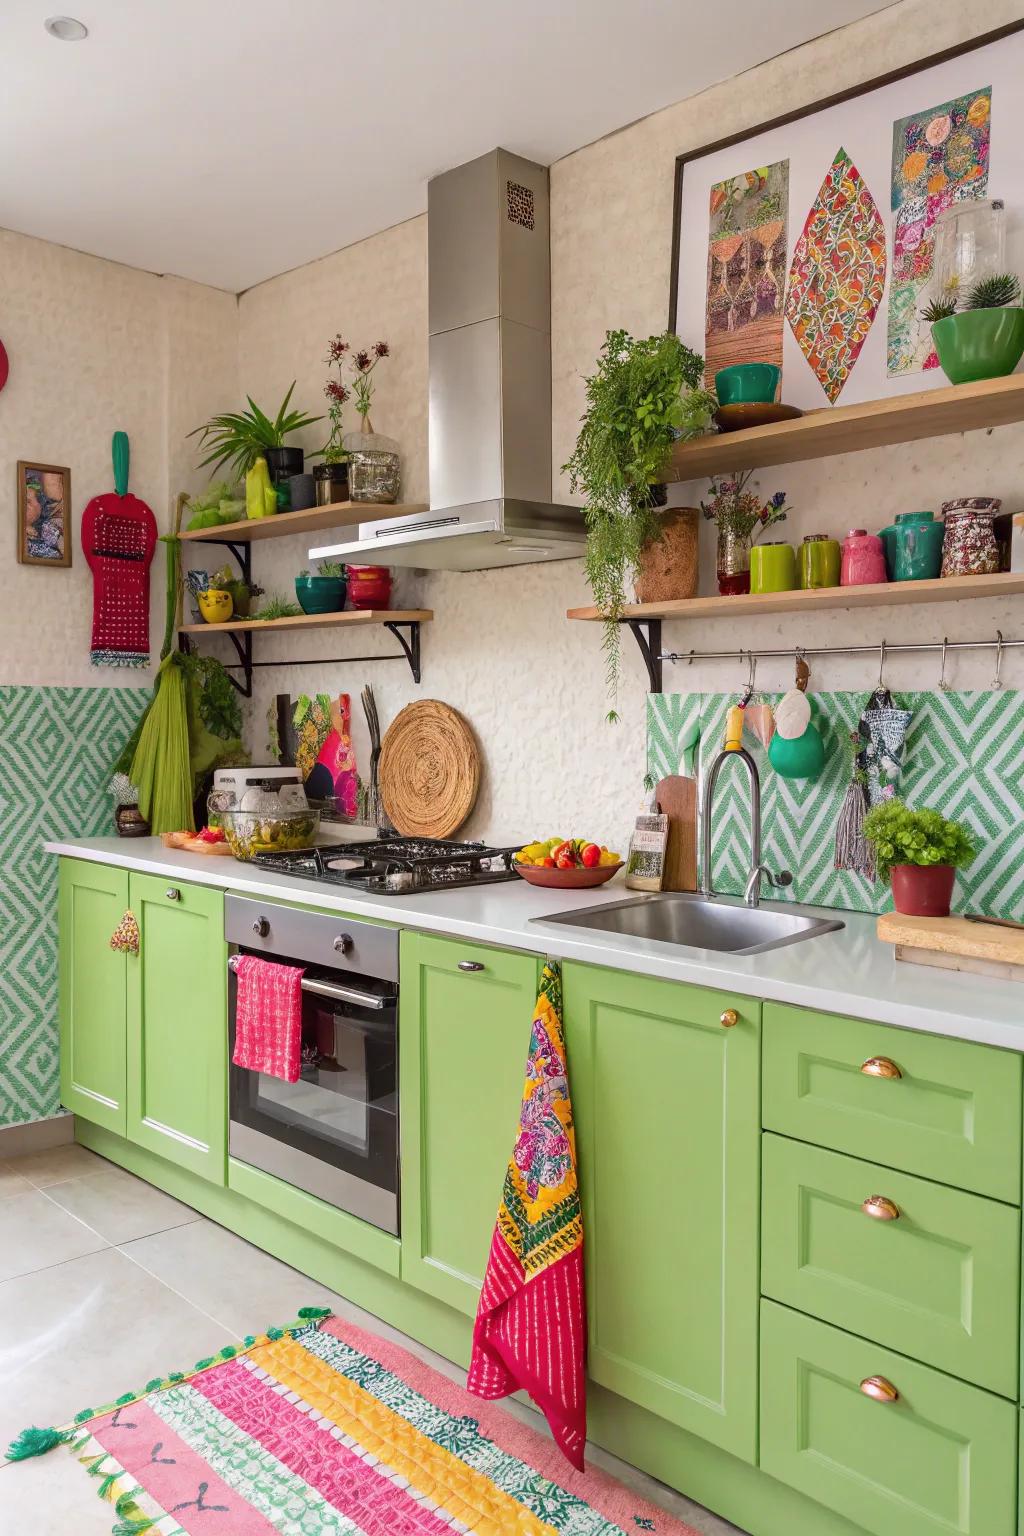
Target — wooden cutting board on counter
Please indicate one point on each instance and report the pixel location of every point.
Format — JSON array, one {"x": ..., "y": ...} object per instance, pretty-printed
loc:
[
  {"x": 954, "y": 944},
  {"x": 676, "y": 798}
]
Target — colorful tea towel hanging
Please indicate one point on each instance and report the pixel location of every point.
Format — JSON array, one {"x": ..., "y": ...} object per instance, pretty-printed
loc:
[
  {"x": 883, "y": 734},
  {"x": 531, "y": 1321},
  {"x": 268, "y": 1017},
  {"x": 119, "y": 538}
]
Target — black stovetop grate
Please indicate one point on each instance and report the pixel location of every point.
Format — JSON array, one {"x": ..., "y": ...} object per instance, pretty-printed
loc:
[{"x": 396, "y": 866}]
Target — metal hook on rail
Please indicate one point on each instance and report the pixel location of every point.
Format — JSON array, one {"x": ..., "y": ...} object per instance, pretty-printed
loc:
[
  {"x": 881, "y": 665},
  {"x": 997, "y": 681},
  {"x": 943, "y": 685}
]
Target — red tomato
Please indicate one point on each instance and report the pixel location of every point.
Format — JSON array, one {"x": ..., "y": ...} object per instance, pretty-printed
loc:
[
  {"x": 591, "y": 856},
  {"x": 565, "y": 861}
]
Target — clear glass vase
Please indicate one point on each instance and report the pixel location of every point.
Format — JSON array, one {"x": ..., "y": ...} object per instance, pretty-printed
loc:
[
  {"x": 733, "y": 561},
  {"x": 374, "y": 466}
]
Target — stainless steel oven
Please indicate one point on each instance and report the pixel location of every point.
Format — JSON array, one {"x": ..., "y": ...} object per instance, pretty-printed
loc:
[{"x": 334, "y": 1133}]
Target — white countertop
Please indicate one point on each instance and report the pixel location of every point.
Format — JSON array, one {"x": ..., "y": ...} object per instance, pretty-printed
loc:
[{"x": 849, "y": 971}]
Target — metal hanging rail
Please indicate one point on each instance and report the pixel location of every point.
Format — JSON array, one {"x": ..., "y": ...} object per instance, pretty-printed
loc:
[{"x": 881, "y": 650}]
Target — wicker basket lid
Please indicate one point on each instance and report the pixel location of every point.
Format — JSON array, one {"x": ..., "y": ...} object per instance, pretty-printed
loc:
[{"x": 429, "y": 770}]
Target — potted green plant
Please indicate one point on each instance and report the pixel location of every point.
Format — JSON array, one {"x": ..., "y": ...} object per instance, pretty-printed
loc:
[
  {"x": 920, "y": 851},
  {"x": 324, "y": 592},
  {"x": 239, "y": 438},
  {"x": 984, "y": 339},
  {"x": 331, "y": 475},
  {"x": 642, "y": 397}
]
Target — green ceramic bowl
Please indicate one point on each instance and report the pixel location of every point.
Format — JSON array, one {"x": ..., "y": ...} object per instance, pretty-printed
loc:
[
  {"x": 747, "y": 384},
  {"x": 979, "y": 343},
  {"x": 320, "y": 594}
]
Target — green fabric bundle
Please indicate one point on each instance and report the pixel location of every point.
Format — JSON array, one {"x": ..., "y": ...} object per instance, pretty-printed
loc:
[{"x": 161, "y": 767}]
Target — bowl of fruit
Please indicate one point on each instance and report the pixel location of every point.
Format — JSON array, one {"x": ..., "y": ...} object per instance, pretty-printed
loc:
[{"x": 568, "y": 864}]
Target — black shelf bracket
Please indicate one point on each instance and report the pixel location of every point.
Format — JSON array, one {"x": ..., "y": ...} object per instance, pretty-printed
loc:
[
  {"x": 246, "y": 663},
  {"x": 647, "y": 633},
  {"x": 411, "y": 647}
]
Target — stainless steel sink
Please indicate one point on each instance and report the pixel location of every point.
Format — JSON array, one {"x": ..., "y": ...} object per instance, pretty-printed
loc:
[{"x": 697, "y": 923}]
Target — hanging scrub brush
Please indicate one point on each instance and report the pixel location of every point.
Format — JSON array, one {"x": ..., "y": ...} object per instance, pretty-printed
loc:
[{"x": 852, "y": 851}]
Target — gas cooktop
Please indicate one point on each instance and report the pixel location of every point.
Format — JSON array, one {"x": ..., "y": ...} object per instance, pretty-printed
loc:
[{"x": 396, "y": 866}]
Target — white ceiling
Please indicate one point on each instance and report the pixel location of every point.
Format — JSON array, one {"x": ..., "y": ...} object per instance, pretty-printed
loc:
[{"x": 229, "y": 140}]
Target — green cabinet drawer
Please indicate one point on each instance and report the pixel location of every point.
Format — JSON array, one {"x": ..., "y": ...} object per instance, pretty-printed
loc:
[
  {"x": 937, "y": 1280},
  {"x": 948, "y": 1110},
  {"x": 940, "y": 1458}
]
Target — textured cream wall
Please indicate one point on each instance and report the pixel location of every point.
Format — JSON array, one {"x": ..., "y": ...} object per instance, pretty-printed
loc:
[
  {"x": 94, "y": 347},
  {"x": 500, "y": 648}
]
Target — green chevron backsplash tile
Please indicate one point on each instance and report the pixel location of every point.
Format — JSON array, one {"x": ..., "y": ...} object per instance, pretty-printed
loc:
[
  {"x": 56, "y": 747},
  {"x": 965, "y": 757}
]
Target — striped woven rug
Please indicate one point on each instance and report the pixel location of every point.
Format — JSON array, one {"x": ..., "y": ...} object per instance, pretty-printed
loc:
[{"x": 321, "y": 1428}]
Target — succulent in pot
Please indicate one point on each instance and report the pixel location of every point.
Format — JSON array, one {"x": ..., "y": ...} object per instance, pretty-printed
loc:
[
  {"x": 985, "y": 338},
  {"x": 920, "y": 852},
  {"x": 323, "y": 592}
]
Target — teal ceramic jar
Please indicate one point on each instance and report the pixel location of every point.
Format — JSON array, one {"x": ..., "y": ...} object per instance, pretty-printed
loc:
[
  {"x": 913, "y": 546},
  {"x": 747, "y": 384},
  {"x": 320, "y": 594},
  {"x": 819, "y": 559},
  {"x": 772, "y": 568}
]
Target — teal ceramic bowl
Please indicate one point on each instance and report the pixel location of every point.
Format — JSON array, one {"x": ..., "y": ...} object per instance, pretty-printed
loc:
[
  {"x": 747, "y": 384},
  {"x": 979, "y": 344},
  {"x": 320, "y": 594}
]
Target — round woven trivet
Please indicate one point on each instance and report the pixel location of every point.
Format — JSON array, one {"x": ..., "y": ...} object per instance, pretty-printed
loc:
[{"x": 429, "y": 770}]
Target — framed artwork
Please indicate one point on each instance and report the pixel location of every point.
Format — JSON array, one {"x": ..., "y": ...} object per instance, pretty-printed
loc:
[
  {"x": 44, "y": 514},
  {"x": 809, "y": 241}
]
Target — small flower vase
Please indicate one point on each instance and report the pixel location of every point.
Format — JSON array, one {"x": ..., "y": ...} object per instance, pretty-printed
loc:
[
  {"x": 733, "y": 561},
  {"x": 374, "y": 467}
]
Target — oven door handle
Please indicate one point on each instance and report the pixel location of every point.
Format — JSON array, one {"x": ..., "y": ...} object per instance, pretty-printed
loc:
[{"x": 338, "y": 994}]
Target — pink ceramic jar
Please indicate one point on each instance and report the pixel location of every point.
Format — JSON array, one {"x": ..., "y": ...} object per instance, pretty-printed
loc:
[{"x": 863, "y": 559}]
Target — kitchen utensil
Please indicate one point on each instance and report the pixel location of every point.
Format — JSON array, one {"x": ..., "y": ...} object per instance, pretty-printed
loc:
[
  {"x": 759, "y": 719},
  {"x": 429, "y": 770},
  {"x": 957, "y": 943},
  {"x": 273, "y": 831},
  {"x": 567, "y": 879},
  {"x": 187, "y": 842},
  {"x": 676, "y": 798},
  {"x": 747, "y": 383},
  {"x": 119, "y": 539},
  {"x": 374, "y": 810},
  {"x": 736, "y": 418},
  {"x": 969, "y": 547},
  {"x": 863, "y": 561},
  {"x": 913, "y": 546},
  {"x": 772, "y": 567},
  {"x": 819, "y": 560},
  {"x": 797, "y": 750}
]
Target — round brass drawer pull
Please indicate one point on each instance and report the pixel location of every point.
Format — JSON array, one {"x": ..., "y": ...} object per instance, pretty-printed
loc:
[
  {"x": 878, "y": 1388},
  {"x": 729, "y": 1018},
  {"x": 880, "y": 1066},
  {"x": 881, "y": 1208}
]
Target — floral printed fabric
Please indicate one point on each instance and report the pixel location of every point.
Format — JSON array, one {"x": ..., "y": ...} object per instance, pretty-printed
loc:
[{"x": 837, "y": 275}]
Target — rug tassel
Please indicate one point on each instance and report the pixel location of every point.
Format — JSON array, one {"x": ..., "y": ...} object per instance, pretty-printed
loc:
[
  {"x": 36, "y": 1442},
  {"x": 853, "y": 852},
  {"x": 314, "y": 1314},
  {"x": 133, "y": 1527}
]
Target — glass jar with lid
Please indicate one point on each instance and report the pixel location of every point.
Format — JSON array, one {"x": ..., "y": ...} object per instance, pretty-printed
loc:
[
  {"x": 970, "y": 244},
  {"x": 969, "y": 547}
]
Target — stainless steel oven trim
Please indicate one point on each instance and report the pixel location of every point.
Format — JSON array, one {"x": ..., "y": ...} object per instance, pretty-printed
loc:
[
  {"x": 333, "y": 941},
  {"x": 322, "y": 1180}
]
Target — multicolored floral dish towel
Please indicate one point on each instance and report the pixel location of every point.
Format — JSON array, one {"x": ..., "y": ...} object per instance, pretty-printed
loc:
[
  {"x": 321, "y": 1429},
  {"x": 531, "y": 1322}
]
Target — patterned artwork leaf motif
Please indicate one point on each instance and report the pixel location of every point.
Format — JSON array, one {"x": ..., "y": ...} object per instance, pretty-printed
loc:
[
  {"x": 746, "y": 278},
  {"x": 837, "y": 275}
]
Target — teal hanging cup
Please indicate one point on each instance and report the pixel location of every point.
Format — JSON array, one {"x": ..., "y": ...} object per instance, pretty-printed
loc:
[{"x": 913, "y": 546}]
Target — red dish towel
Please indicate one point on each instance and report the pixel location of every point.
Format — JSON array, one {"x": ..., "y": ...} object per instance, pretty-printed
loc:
[
  {"x": 531, "y": 1321},
  {"x": 268, "y": 1017}
]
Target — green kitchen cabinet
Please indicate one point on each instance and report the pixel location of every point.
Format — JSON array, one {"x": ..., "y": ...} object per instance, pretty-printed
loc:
[
  {"x": 464, "y": 1034},
  {"x": 92, "y": 900},
  {"x": 177, "y": 1025},
  {"x": 664, "y": 1082}
]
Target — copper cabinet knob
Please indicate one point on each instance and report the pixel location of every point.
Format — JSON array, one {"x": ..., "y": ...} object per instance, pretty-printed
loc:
[
  {"x": 729, "y": 1018},
  {"x": 878, "y": 1388},
  {"x": 880, "y": 1066},
  {"x": 881, "y": 1208}
]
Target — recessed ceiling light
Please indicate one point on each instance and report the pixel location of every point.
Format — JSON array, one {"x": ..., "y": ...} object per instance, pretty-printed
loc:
[{"x": 66, "y": 29}]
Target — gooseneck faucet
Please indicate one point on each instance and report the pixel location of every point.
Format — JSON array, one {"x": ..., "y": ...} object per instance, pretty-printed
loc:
[{"x": 752, "y": 893}]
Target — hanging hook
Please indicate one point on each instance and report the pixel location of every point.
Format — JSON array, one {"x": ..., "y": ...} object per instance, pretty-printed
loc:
[
  {"x": 803, "y": 671},
  {"x": 748, "y": 692},
  {"x": 997, "y": 681},
  {"x": 881, "y": 665},
  {"x": 943, "y": 685}
]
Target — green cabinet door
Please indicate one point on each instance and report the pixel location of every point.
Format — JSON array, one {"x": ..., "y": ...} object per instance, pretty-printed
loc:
[
  {"x": 92, "y": 900},
  {"x": 666, "y": 1104},
  {"x": 177, "y": 1026},
  {"x": 464, "y": 1025}
]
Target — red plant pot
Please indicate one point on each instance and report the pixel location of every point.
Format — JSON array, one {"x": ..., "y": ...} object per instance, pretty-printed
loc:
[
  {"x": 369, "y": 586},
  {"x": 923, "y": 890}
]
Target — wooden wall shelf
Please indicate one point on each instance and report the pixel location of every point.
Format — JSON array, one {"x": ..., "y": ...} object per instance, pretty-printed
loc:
[
  {"x": 852, "y": 428},
  {"x": 348, "y": 620},
  {"x": 311, "y": 520}
]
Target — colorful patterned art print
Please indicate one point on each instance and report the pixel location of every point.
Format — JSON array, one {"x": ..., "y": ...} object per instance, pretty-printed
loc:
[
  {"x": 837, "y": 275},
  {"x": 44, "y": 511},
  {"x": 938, "y": 157},
  {"x": 746, "y": 268}
]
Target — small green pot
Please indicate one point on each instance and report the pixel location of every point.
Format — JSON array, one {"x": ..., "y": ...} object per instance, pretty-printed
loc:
[
  {"x": 979, "y": 343},
  {"x": 747, "y": 383},
  {"x": 772, "y": 567},
  {"x": 320, "y": 594}
]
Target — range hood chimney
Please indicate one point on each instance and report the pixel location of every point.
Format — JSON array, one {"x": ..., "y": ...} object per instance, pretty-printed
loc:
[{"x": 489, "y": 316}]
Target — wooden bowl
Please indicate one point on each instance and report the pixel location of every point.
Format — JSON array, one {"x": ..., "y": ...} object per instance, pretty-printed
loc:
[{"x": 567, "y": 879}]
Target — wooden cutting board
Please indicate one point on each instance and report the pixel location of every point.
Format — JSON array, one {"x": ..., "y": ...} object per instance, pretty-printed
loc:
[
  {"x": 429, "y": 770},
  {"x": 954, "y": 944},
  {"x": 676, "y": 798}
]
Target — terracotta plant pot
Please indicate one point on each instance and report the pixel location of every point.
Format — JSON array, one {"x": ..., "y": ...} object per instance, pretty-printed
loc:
[
  {"x": 923, "y": 890},
  {"x": 668, "y": 566}
]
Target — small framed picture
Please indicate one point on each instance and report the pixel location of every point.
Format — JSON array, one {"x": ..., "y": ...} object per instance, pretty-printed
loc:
[{"x": 44, "y": 514}]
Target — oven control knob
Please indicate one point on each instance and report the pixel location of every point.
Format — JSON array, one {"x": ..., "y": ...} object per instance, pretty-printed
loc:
[
  {"x": 343, "y": 943},
  {"x": 261, "y": 927}
]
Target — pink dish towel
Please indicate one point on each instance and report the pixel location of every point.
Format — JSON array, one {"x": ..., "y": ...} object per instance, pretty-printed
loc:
[{"x": 268, "y": 1017}]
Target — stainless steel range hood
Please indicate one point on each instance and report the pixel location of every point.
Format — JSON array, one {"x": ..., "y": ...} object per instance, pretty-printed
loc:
[{"x": 489, "y": 316}]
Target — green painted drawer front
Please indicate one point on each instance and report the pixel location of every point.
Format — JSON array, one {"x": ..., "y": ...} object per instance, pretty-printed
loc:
[
  {"x": 336, "y": 1227},
  {"x": 942, "y": 1458},
  {"x": 463, "y": 1042},
  {"x": 953, "y": 1114},
  {"x": 177, "y": 1025},
  {"x": 665, "y": 1102},
  {"x": 92, "y": 900},
  {"x": 940, "y": 1282}
]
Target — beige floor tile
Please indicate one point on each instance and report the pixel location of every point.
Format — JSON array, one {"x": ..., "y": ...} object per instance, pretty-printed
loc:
[
  {"x": 79, "y": 1334},
  {"x": 58, "y": 1164},
  {"x": 12, "y": 1182},
  {"x": 35, "y": 1233},
  {"x": 119, "y": 1206},
  {"x": 241, "y": 1286},
  {"x": 52, "y": 1494}
]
